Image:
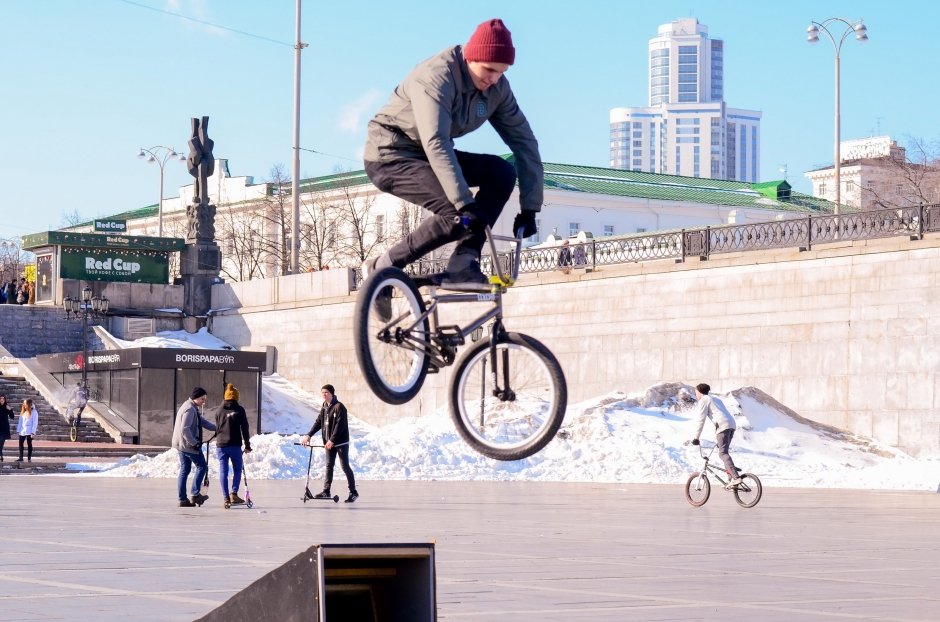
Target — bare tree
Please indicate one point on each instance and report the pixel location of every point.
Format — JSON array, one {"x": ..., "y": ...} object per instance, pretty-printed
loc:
[
  {"x": 364, "y": 230},
  {"x": 278, "y": 216},
  {"x": 238, "y": 232},
  {"x": 909, "y": 178},
  {"x": 174, "y": 228},
  {"x": 13, "y": 259},
  {"x": 318, "y": 232},
  {"x": 407, "y": 217},
  {"x": 72, "y": 219}
]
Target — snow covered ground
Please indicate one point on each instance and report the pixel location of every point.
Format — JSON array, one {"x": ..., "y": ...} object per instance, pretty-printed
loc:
[{"x": 629, "y": 437}]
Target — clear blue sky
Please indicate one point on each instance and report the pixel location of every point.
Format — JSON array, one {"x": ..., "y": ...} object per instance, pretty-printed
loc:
[{"x": 87, "y": 83}]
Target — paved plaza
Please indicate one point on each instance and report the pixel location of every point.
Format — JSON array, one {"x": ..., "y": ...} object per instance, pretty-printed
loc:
[{"x": 102, "y": 549}]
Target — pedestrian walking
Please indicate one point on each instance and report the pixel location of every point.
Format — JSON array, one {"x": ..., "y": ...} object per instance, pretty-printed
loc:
[
  {"x": 187, "y": 440},
  {"x": 333, "y": 425},
  {"x": 6, "y": 416},
  {"x": 26, "y": 427}
]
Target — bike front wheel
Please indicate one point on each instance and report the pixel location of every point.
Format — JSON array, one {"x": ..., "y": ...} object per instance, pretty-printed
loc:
[
  {"x": 749, "y": 491},
  {"x": 698, "y": 489},
  {"x": 508, "y": 401},
  {"x": 73, "y": 433},
  {"x": 392, "y": 335}
]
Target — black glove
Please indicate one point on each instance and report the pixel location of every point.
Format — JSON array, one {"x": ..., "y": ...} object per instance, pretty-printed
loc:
[
  {"x": 695, "y": 441},
  {"x": 247, "y": 448},
  {"x": 525, "y": 220}
]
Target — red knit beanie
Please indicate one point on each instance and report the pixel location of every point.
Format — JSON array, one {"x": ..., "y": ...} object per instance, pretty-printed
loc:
[{"x": 491, "y": 43}]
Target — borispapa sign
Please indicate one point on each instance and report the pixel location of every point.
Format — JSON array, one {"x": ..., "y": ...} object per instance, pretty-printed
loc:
[{"x": 114, "y": 264}]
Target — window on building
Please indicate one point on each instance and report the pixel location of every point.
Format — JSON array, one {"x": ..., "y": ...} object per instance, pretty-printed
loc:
[
  {"x": 608, "y": 230},
  {"x": 641, "y": 229},
  {"x": 535, "y": 239},
  {"x": 380, "y": 227},
  {"x": 574, "y": 228},
  {"x": 822, "y": 188}
]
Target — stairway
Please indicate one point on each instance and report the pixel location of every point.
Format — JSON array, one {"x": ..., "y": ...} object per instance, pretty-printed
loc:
[
  {"x": 52, "y": 448},
  {"x": 52, "y": 425}
]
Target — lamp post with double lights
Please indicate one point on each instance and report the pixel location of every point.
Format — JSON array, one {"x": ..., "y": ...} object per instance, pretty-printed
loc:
[
  {"x": 85, "y": 306},
  {"x": 160, "y": 155},
  {"x": 812, "y": 35}
]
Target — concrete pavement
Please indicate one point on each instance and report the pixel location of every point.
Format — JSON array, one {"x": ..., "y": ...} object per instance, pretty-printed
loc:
[{"x": 102, "y": 549}]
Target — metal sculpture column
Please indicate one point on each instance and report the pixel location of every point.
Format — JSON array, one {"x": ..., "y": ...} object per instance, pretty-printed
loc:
[{"x": 201, "y": 260}]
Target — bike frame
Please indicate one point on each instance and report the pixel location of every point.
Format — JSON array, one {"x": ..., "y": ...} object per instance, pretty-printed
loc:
[
  {"x": 444, "y": 353},
  {"x": 710, "y": 468}
]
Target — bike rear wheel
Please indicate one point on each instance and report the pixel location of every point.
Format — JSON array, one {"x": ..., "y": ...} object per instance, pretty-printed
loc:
[
  {"x": 392, "y": 335},
  {"x": 529, "y": 406},
  {"x": 749, "y": 492},
  {"x": 698, "y": 489},
  {"x": 73, "y": 432}
]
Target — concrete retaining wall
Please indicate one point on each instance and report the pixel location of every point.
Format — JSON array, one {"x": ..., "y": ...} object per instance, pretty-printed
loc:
[{"x": 844, "y": 334}]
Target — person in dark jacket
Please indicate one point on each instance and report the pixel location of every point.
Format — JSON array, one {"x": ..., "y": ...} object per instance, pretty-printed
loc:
[
  {"x": 410, "y": 153},
  {"x": 6, "y": 416},
  {"x": 187, "y": 439},
  {"x": 334, "y": 428},
  {"x": 232, "y": 430}
]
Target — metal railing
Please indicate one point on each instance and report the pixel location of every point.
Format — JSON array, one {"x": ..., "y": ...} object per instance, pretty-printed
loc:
[{"x": 800, "y": 233}]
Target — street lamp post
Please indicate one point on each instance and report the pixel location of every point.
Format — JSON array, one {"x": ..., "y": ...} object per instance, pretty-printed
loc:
[
  {"x": 812, "y": 35},
  {"x": 160, "y": 155},
  {"x": 87, "y": 304}
]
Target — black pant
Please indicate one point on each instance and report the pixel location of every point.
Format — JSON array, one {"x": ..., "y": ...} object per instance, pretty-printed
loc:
[
  {"x": 29, "y": 441},
  {"x": 2, "y": 441},
  {"x": 413, "y": 180},
  {"x": 344, "y": 462}
]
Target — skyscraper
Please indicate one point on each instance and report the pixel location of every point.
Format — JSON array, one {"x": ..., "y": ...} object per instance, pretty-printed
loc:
[{"x": 687, "y": 129}]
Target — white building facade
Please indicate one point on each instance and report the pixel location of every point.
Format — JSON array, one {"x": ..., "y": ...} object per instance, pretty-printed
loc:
[
  {"x": 687, "y": 129},
  {"x": 875, "y": 173}
]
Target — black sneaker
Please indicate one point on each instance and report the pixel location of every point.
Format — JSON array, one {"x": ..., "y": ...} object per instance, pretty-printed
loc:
[
  {"x": 383, "y": 304},
  {"x": 352, "y": 497},
  {"x": 186, "y": 503},
  {"x": 323, "y": 495},
  {"x": 199, "y": 499},
  {"x": 470, "y": 277}
]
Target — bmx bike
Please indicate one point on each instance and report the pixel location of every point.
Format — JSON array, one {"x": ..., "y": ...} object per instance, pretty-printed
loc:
[
  {"x": 698, "y": 487},
  {"x": 507, "y": 394}
]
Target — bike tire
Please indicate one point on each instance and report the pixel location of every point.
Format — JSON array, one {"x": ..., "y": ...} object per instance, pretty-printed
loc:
[
  {"x": 698, "y": 489},
  {"x": 392, "y": 347},
  {"x": 73, "y": 433},
  {"x": 516, "y": 426},
  {"x": 749, "y": 492}
]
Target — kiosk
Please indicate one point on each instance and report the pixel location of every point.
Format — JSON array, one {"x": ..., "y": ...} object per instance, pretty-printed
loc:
[{"x": 146, "y": 386}]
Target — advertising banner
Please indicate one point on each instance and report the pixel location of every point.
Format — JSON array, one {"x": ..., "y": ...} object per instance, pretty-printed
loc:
[{"x": 114, "y": 264}]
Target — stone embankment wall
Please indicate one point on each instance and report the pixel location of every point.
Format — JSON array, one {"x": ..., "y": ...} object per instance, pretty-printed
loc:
[{"x": 845, "y": 334}]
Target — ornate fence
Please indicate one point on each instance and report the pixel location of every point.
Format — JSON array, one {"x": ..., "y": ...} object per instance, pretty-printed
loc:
[{"x": 801, "y": 232}]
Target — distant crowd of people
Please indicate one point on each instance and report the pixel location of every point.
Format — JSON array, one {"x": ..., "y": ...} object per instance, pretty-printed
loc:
[{"x": 18, "y": 293}]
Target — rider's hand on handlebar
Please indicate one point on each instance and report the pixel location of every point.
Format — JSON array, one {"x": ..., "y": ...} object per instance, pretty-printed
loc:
[
  {"x": 695, "y": 441},
  {"x": 525, "y": 220}
]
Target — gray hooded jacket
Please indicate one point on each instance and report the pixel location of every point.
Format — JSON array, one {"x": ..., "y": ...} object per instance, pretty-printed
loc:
[
  {"x": 438, "y": 102},
  {"x": 187, "y": 430}
]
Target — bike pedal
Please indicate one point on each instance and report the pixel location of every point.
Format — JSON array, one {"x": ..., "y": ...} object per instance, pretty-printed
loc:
[{"x": 451, "y": 335}]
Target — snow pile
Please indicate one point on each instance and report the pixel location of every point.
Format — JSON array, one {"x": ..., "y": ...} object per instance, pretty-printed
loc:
[{"x": 619, "y": 437}]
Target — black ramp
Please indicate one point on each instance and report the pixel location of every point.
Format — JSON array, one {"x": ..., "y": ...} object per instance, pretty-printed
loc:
[{"x": 288, "y": 593}]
